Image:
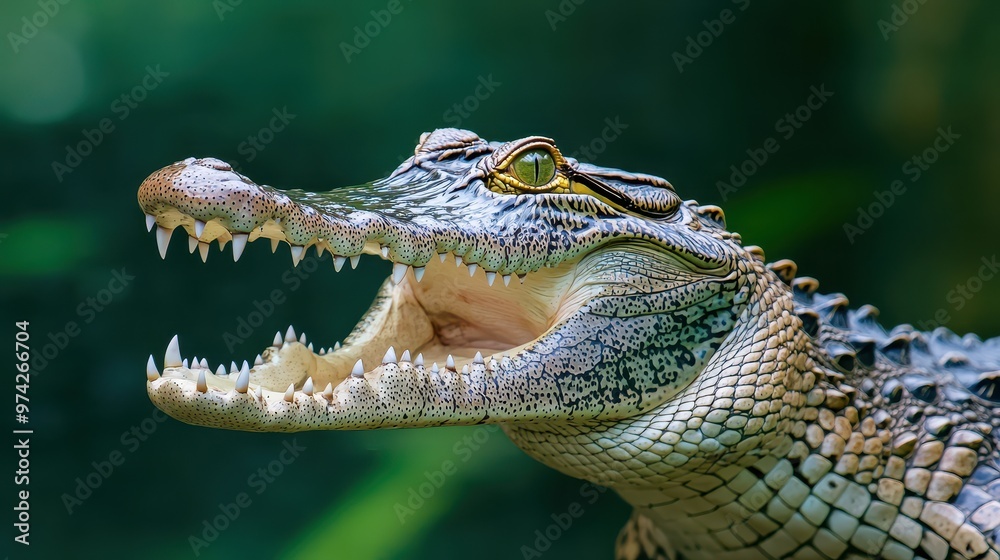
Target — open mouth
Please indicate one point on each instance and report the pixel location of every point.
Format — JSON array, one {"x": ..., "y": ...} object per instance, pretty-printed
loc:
[{"x": 440, "y": 322}]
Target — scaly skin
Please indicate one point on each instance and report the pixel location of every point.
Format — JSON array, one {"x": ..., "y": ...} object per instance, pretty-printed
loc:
[{"x": 639, "y": 346}]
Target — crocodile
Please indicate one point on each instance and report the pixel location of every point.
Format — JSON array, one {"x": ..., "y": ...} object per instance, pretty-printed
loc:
[{"x": 618, "y": 334}]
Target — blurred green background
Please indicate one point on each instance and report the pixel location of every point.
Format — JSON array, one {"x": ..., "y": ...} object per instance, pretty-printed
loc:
[{"x": 694, "y": 87}]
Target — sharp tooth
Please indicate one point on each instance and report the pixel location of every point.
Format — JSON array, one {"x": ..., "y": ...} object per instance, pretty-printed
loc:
[
  {"x": 222, "y": 243},
  {"x": 259, "y": 392},
  {"x": 307, "y": 387},
  {"x": 490, "y": 277},
  {"x": 290, "y": 334},
  {"x": 336, "y": 345},
  {"x": 328, "y": 392},
  {"x": 302, "y": 338},
  {"x": 199, "y": 228},
  {"x": 274, "y": 245},
  {"x": 150, "y": 222},
  {"x": 258, "y": 360},
  {"x": 290, "y": 393},
  {"x": 310, "y": 346},
  {"x": 297, "y": 251},
  {"x": 239, "y": 243},
  {"x": 221, "y": 371},
  {"x": 322, "y": 351},
  {"x": 419, "y": 361},
  {"x": 465, "y": 369},
  {"x": 442, "y": 256},
  {"x": 390, "y": 356},
  {"x": 385, "y": 251},
  {"x": 162, "y": 240},
  {"x": 472, "y": 269},
  {"x": 194, "y": 361},
  {"x": 192, "y": 244},
  {"x": 203, "y": 251},
  {"x": 458, "y": 260},
  {"x": 202, "y": 384},
  {"x": 319, "y": 249},
  {"x": 184, "y": 364},
  {"x": 204, "y": 363},
  {"x": 359, "y": 369},
  {"x": 173, "y": 356},
  {"x": 398, "y": 272},
  {"x": 354, "y": 261},
  {"x": 152, "y": 374},
  {"x": 243, "y": 381},
  {"x": 450, "y": 363},
  {"x": 478, "y": 359},
  {"x": 506, "y": 279},
  {"x": 277, "y": 340},
  {"x": 233, "y": 368},
  {"x": 418, "y": 272},
  {"x": 405, "y": 357},
  {"x": 246, "y": 366},
  {"x": 338, "y": 262},
  {"x": 435, "y": 368}
]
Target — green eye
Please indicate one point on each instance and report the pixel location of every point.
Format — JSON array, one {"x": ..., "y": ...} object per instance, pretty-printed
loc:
[{"x": 535, "y": 168}]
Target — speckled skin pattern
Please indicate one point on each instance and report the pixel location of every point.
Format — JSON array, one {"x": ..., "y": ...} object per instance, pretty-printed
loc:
[{"x": 639, "y": 346}]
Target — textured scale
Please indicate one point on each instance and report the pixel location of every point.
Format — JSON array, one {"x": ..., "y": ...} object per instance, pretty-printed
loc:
[{"x": 741, "y": 412}]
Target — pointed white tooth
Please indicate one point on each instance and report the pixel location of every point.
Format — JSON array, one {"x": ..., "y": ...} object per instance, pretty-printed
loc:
[
  {"x": 310, "y": 346},
  {"x": 336, "y": 345},
  {"x": 385, "y": 251},
  {"x": 258, "y": 360},
  {"x": 184, "y": 364},
  {"x": 322, "y": 351},
  {"x": 192, "y": 244},
  {"x": 418, "y": 272},
  {"x": 290, "y": 334},
  {"x": 338, "y": 263},
  {"x": 478, "y": 359},
  {"x": 435, "y": 368},
  {"x": 274, "y": 245},
  {"x": 328, "y": 392},
  {"x": 465, "y": 369},
  {"x": 233, "y": 368},
  {"x": 472, "y": 269},
  {"x": 398, "y": 272},
  {"x": 506, "y": 279},
  {"x": 450, "y": 362},
  {"x": 173, "y": 356},
  {"x": 419, "y": 361},
  {"x": 307, "y": 387},
  {"x": 150, "y": 222},
  {"x": 290, "y": 393},
  {"x": 202, "y": 384},
  {"x": 243, "y": 381},
  {"x": 490, "y": 277},
  {"x": 277, "y": 340},
  {"x": 405, "y": 357},
  {"x": 203, "y": 251},
  {"x": 458, "y": 260},
  {"x": 152, "y": 374},
  {"x": 359, "y": 369},
  {"x": 221, "y": 371},
  {"x": 354, "y": 261},
  {"x": 195, "y": 362},
  {"x": 239, "y": 243},
  {"x": 204, "y": 363},
  {"x": 199, "y": 228},
  {"x": 163, "y": 240},
  {"x": 442, "y": 256},
  {"x": 245, "y": 366},
  {"x": 302, "y": 338},
  {"x": 297, "y": 251},
  {"x": 390, "y": 356}
]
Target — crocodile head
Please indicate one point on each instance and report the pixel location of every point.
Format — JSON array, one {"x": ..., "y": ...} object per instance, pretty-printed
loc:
[{"x": 581, "y": 293}]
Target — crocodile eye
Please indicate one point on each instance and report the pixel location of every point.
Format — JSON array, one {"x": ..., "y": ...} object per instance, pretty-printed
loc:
[{"x": 534, "y": 168}]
